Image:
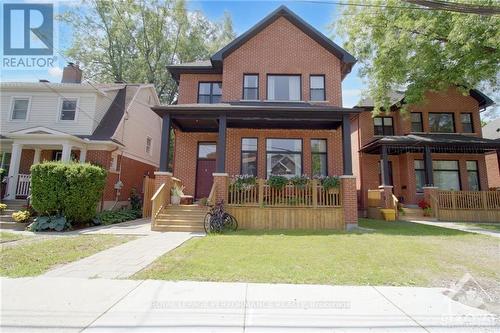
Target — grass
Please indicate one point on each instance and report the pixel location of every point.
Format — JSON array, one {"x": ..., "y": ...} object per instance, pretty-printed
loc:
[
  {"x": 395, "y": 253},
  {"x": 9, "y": 237},
  {"x": 488, "y": 226},
  {"x": 36, "y": 257}
]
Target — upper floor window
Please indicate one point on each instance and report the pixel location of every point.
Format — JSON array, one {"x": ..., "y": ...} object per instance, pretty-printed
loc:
[
  {"x": 149, "y": 145},
  {"x": 317, "y": 87},
  {"x": 416, "y": 122},
  {"x": 20, "y": 106},
  {"x": 209, "y": 92},
  {"x": 467, "y": 126},
  {"x": 283, "y": 87},
  {"x": 441, "y": 122},
  {"x": 251, "y": 87},
  {"x": 68, "y": 109},
  {"x": 383, "y": 126}
]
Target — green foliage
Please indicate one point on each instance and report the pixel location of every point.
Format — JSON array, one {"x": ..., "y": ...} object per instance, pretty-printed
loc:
[
  {"x": 300, "y": 181},
  {"x": 277, "y": 182},
  {"x": 420, "y": 49},
  {"x": 69, "y": 189},
  {"x": 2, "y": 207},
  {"x": 244, "y": 181},
  {"x": 135, "y": 41},
  {"x": 177, "y": 191},
  {"x": 21, "y": 216},
  {"x": 112, "y": 217},
  {"x": 46, "y": 223},
  {"x": 135, "y": 200},
  {"x": 3, "y": 173},
  {"x": 330, "y": 182}
]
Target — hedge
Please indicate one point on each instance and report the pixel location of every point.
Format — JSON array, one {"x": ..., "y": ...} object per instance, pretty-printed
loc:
[{"x": 70, "y": 189}]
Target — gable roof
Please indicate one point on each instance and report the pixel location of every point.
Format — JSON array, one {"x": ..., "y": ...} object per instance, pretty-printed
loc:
[{"x": 215, "y": 63}]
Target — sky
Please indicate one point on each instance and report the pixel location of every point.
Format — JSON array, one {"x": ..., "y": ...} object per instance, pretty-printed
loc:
[{"x": 244, "y": 15}]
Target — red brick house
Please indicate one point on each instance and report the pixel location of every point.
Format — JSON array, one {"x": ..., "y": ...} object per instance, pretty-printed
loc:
[
  {"x": 268, "y": 103},
  {"x": 438, "y": 143},
  {"x": 492, "y": 131}
]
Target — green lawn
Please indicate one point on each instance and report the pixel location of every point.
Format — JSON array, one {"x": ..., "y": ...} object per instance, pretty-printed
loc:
[
  {"x": 488, "y": 226},
  {"x": 36, "y": 257},
  {"x": 395, "y": 253},
  {"x": 9, "y": 237}
]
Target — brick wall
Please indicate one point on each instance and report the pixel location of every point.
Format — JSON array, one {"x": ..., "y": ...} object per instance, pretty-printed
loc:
[
  {"x": 132, "y": 174},
  {"x": 493, "y": 170},
  {"x": 99, "y": 157},
  {"x": 185, "y": 154},
  {"x": 188, "y": 86}
]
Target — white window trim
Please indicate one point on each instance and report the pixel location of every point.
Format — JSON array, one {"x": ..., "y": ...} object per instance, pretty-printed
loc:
[
  {"x": 12, "y": 100},
  {"x": 150, "y": 153},
  {"x": 59, "y": 113}
]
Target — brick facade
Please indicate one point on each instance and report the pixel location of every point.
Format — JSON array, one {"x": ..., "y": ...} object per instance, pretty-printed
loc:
[{"x": 493, "y": 170}]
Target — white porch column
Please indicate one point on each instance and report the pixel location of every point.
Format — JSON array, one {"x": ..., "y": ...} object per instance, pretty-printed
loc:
[
  {"x": 83, "y": 155},
  {"x": 15, "y": 161},
  {"x": 66, "y": 152},
  {"x": 36, "y": 158}
]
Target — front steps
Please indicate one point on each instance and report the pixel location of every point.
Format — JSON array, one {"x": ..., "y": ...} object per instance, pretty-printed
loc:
[
  {"x": 412, "y": 213},
  {"x": 181, "y": 218},
  {"x": 6, "y": 221}
]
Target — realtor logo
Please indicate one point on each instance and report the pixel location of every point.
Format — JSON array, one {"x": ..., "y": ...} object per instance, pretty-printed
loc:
[{"x": 28, "y": 29}]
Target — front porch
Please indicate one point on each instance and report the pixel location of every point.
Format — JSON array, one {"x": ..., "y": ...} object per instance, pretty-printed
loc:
[{"x": 260, "y": 139}]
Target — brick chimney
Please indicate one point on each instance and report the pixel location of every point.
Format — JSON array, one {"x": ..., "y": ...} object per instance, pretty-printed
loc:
[{"x": 72, "y": 73}]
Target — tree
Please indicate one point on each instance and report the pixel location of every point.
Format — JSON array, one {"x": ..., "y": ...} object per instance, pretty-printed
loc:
[
  {"x": 403, "y": 46},
  {"x": 134, "y": 40}
]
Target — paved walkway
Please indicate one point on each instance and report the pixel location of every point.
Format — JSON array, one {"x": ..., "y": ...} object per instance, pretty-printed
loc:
[
  {"x": 102, "y": 305},
  {"x": 459, "y": 226},
  {"x": 123, "y": 260}
]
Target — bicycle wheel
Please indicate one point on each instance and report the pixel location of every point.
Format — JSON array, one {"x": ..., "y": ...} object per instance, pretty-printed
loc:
[
  {"x": 234, "y": 222},
  {"x": 206, "y": 222},
  {"x": 230, "y": 222}
]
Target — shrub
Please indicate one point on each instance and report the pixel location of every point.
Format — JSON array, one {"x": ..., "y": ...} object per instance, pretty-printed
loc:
[
  {"x": 69, "y": 189},
  {"x": 111, "y": 217},
  {"x": 2, "y": 207},
  {"x": 330, "y": 182},
  {"x": 300, "y": 181},
  {"x": 135, "y": 199},
  {"x": 44, "y": 223},
  {"x": 277, "y": 182},
  {"x": 424, "y": 204},
  {"x": 244, "y": 182},
  {"x": 21, "y": 216}
]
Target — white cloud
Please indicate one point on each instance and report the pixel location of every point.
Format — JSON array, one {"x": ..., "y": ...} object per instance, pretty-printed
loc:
[
  {"x": 55, "y": 72},
  {"x": 350, "y": 97}
]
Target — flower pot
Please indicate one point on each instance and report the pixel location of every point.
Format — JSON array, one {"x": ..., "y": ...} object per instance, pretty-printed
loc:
[{"x": 175, "y": 200}]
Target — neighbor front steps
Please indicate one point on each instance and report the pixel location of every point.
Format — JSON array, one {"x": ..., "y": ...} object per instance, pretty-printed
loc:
[
  {"x": 181, "y": 218},
  {"x": 412, "y": 213},
  {"x": 6, "y": 221}
]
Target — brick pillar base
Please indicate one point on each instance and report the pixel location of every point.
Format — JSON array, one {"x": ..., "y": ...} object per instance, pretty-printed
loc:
[
  {"x": 428, "y": 192},
  {"x": 221, "y": 182},
  {"x": 349, "y": 201},
  {"x": 162, "y": 177},
  {"x": 385, "y": 196}
]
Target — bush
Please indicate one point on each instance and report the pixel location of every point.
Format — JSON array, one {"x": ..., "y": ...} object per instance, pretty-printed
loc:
[
  {"x": 44, "y": 223},
  {"x": 71, "y": 189},
  {"x": 112, "y": 217},
  {"x": 277, "y": 182},
  {"x": 2, "y": 207},
  {"x": 300, "y": 181},
  {"x": 21, "y": 216},
  {"x": 330, "y": 182},
  {"x": 244, "y": 182}
]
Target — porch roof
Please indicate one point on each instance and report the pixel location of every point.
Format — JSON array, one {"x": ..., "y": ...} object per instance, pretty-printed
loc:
[
  {"x": 437, "y": 142},
  {"x": 283, "y": 115}
]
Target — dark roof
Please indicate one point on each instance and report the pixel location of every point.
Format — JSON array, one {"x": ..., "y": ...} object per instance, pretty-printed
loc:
[
  {"x": 215, "y": 63},
  {"x": 437, "y": 140},
  {"x": 398, "y": 96},
  {"x": 109, "y": 123}
]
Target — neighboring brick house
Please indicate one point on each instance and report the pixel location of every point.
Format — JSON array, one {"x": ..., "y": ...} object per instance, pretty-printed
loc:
[
  {"x": 492, "y": 131},
  {"x": 106, "y": 124},
  {"x": 437, "y": 143},
  {"x": 268, "y": 103}
]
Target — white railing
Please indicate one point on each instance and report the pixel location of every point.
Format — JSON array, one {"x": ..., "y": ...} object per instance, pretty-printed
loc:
[{"x": 23, "y": 185}]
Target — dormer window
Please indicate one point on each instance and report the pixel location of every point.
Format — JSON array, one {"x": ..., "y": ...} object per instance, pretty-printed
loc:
[
  {"x": 209, "y": 92},
  {"x": 251, "y": 87},
  {"x": 283, "y": 87},
  {"x": 68, "y": 109}
]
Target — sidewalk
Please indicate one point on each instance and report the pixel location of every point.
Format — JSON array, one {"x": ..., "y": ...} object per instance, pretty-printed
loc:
[
  {"x": 101, "y": 305},
  {"x": 458, "y": 226},
  {"x": 123, "y": 260}
]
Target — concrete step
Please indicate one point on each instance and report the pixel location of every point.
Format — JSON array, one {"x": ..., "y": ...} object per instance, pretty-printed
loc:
[
  {"x": 13, "y": 225},
  {"x": 178, "y": 228},
  {"x": 179, "y": 222}
]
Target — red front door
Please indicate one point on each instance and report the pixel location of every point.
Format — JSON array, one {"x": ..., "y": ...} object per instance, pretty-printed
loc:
[{"x": 205, "y": 167}]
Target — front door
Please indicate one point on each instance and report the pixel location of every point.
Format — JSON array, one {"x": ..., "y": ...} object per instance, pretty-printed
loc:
[{"x": 205, "y": 167}]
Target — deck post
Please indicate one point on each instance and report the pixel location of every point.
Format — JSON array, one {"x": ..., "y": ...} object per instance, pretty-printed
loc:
[
  {"x": 430, "y": 196},
  {"x": 165, "y": 143},
  {"x": 221, "y": 146},
  {"x": 314, "y": 192}
]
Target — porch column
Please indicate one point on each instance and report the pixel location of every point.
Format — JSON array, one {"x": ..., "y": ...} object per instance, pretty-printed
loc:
[
  {"x": 429, "y": 177},
  {"x": 66, "y": 153},
  {"x": 15, "y": 161},
  {"x": 221, "y": 146},
  {"x": 384, "y": 164},
  {"x": 165, "y": 143},
  {"x": 83, "y": 155},
  {"x": 36, "y": 158},
  {"x": 346, "y": 145},
  {"x": 349, "y": 199}
]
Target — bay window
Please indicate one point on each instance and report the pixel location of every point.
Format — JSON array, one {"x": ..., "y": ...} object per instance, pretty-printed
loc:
[
  {"x": 319, "y": 157},
  {"x": 249, "y": 156},
  {"x": 283, "y": 87},
  {"x": 284, "y": 157},
  {"x": 441, "y": 123}
]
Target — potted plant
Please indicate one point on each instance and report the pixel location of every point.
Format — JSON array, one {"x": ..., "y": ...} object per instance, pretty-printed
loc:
[
  {"x": 176, "y": 194},
  {"x": 426, "y": 207},
  {"x": 277, "y": 182},
  {"x": 330, "y": 183},
  {"x": 244, "y": 182},
  {"x": 300, "y": 181}
]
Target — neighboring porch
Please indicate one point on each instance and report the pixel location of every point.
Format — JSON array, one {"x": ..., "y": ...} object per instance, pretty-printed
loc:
[
  {"x": 279, "y": 137},
  {"x": 428, "y": 167}
]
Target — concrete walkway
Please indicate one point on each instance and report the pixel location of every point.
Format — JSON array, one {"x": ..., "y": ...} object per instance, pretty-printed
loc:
[
  {"x": 458, "y": 226},
  {"x": 102, "y": 305},
  {"x": 123, "y": 260}
]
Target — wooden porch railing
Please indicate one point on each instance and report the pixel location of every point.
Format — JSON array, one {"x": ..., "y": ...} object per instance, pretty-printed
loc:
[
  {"x": 148, "y": 191},
  {"x": 211, "y": 196},
  {"x": 159, "y": 201},
  {"x": 311, "y": 194},
  {"x": 469, "y": 200}
]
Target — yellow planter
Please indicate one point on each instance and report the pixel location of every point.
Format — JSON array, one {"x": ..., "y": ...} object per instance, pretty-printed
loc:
[{"x": 388, "y": 214}]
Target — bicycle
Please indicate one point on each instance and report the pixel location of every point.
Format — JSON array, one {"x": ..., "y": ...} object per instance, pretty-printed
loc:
[{"x": 218, "y": 220}]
